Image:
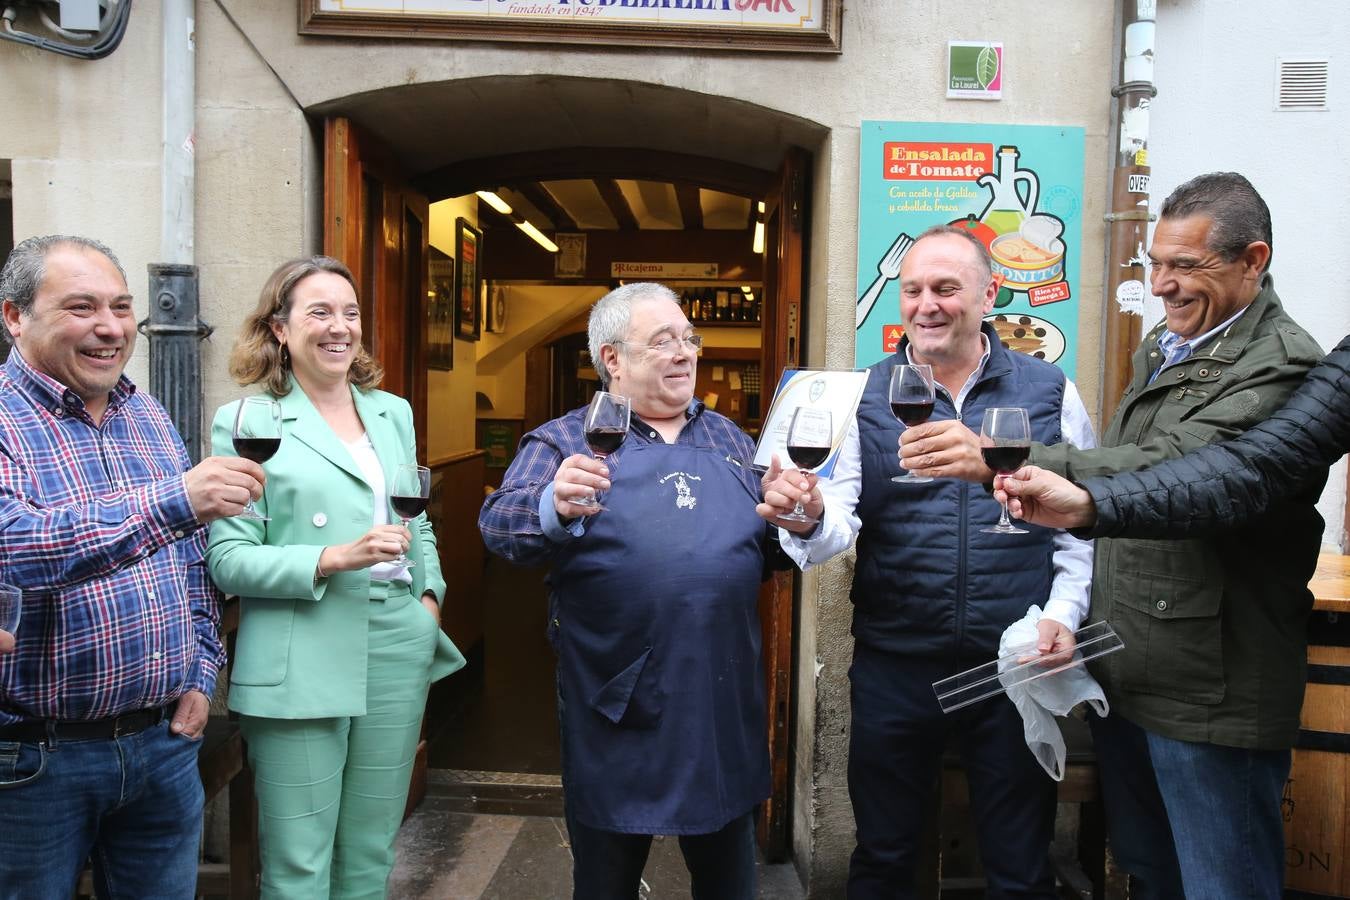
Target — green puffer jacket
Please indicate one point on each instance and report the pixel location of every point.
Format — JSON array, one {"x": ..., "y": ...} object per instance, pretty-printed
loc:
[{"x": 1214, "y": 628}]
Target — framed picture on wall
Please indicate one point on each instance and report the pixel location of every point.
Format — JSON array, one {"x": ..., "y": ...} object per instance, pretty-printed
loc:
[
  {"x": 440, "y": 310},
  {"x": 468, "y": 309},
  {"x": 496, "y": 309}
]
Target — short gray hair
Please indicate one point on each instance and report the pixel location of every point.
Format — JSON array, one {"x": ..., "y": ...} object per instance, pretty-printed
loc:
[
  {"x": 27, "y": 266},
  {"x": 611, "y": 314}
]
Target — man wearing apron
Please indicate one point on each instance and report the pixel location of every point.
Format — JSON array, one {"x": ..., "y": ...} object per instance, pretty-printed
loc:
[{"x": 653, "y": 610}]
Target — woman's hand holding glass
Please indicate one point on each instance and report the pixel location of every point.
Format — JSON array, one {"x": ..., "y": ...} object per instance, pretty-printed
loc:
[{"x": 383, "y": 543}]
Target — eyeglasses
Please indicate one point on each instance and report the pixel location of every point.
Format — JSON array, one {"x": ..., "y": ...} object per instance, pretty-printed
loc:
[{"x": 670, "y": 346}]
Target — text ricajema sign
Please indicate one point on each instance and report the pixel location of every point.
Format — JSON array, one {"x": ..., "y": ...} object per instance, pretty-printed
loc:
[
  {"x": 1017, "y": 188},
  {"x": 974, "y": 70}
]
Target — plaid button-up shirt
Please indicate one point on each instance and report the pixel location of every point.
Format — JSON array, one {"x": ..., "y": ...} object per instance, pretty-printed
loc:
[{"x": 96, "y": 528}]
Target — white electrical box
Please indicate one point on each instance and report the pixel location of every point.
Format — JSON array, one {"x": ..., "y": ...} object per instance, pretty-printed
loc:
[{"x": 79, "y": 15}]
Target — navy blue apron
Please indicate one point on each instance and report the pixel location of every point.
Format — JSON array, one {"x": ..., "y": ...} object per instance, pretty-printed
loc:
[{"x": 655, "y": 621}]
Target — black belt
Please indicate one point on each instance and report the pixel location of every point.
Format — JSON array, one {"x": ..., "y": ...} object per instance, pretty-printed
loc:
[{"x": 84, "y": 729}]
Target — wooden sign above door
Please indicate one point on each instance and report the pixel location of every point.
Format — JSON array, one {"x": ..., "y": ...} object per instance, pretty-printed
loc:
[{"x": 811, "y": 26}]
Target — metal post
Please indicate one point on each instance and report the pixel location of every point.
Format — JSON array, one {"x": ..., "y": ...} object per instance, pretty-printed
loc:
[
  {"x": 1127, "y": 222},
  {"x": 175, "y": 332},
  {"x": 173, "y": 328}
]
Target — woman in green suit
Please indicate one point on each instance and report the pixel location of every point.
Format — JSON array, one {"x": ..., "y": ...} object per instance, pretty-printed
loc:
[{"x": 337, "y": 644}]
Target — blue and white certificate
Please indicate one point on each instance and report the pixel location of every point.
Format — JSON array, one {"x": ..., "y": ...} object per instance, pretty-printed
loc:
[{"x": 837, "y": 390}]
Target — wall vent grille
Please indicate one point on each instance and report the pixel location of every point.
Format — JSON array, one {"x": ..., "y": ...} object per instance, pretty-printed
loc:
[{"x": 1301, "y": 83}]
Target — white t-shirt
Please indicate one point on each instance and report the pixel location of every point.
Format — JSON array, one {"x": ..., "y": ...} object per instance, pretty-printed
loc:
[{"x": 363, "y": 452}]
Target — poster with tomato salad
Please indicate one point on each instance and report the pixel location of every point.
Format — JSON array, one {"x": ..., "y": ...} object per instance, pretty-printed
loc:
[{"x": 1017, "y": 188}]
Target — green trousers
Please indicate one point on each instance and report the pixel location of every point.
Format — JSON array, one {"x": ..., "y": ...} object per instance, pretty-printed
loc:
[{"x": 331, "y": 792}]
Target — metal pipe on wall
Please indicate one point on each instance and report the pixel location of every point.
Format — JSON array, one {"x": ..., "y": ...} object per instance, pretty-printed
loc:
[
  {"x": 1128, "y": 218},
  {"x": 173, "y": 328},
  {"x": 178, "y": 92}
]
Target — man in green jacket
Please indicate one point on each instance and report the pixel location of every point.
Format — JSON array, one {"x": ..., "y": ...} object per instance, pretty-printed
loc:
[{"x": 1205, "y": 697}]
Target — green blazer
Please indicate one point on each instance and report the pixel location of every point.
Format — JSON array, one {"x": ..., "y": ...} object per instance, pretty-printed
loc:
[{"x": 301, "y": 647}]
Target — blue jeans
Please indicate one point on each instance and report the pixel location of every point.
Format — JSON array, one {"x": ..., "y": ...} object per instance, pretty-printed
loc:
[
  {"x": 1188, "y": 819},
  {"x": 607, "y": 865},
  {"x": 1136, "y": 819},
  {"x": 1224, "y": 806},
  {"x": 133, "y": 803}
]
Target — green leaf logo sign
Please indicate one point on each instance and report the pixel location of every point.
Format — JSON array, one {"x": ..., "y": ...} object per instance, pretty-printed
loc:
[{"x": 986, "y": 66}]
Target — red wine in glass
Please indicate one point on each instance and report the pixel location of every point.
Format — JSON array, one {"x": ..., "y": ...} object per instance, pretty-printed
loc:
[
  {"x": 806, "y": 457},
  {"x": 1005, "y": 460},
  {"x": 408, "y": 497},
  {"x": 912, "y": 414},
  {"x": 1005, "y": 443},
  {"x": 605, "y": 427},
  {"x": 604, "y": 440},
  {"x": 912, "y": 394},
  {"x": 259, "y": 450},
  {"x": 406, "y": 507},
  {"x": 256, "y": 436},
  {"x": 810, "y": 438}
]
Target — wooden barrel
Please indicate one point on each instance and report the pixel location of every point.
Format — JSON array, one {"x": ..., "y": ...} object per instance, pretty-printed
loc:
[{"x": 1316, "y": 802}]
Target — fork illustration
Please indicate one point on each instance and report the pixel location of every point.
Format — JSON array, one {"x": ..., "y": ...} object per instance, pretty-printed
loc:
[{"x": 887, "y": 270}]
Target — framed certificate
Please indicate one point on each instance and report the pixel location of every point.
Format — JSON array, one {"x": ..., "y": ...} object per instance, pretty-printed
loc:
[{"x": 836, "y": 390}]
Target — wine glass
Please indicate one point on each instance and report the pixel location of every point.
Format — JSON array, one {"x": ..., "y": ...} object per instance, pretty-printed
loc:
[
  {"x": 912, "y": 396},
  {"x": 809, "y": 439},
  {"x": 408, "y": 495},
  {"x": 1005, "y": 443},
  {"x": 257, "y": 436},
  {"x": 605, "y": 427},
  {"x": 11, "y": 604}
]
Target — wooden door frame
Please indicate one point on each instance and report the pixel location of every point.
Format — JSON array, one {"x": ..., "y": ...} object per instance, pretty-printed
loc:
[
  {"x": 780, "y": 348},
  {"x": 395, "y": 280}
]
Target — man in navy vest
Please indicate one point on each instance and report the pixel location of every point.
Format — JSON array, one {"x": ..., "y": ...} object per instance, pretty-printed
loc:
[{"x": 932, "y": 594}]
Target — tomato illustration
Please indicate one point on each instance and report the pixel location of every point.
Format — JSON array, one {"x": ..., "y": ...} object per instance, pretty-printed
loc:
[{"x": 983, "y": 233}]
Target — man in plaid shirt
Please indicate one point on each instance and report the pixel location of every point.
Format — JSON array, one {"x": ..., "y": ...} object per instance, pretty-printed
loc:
[{"x": 105, "y": 686}]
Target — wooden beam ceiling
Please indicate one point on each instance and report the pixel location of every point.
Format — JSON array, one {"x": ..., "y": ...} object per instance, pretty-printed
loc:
[
  {"x": 691, "y": 208},
  {"x": 489, "y": 173},
  {"x": 617, "y": 203},
  {"x": 543, "y": 201}
]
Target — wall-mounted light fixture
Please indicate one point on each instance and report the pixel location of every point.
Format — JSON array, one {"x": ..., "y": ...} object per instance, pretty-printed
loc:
[{"x": 758, "y": 245}]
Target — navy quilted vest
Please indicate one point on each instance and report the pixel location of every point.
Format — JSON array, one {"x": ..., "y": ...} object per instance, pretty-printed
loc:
[{"x": 928, "y": 582}]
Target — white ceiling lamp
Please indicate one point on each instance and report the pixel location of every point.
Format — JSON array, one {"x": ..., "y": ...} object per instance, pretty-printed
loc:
[
  {"x": 539, "y": 237},
  {"x": 758, "y": 245},
  {"x": 495, "y": 202},
  {"x": 504, "y": 208}
]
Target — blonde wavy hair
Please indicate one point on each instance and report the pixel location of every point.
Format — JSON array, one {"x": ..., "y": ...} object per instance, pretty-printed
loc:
[{"x": 258, "y": 357}]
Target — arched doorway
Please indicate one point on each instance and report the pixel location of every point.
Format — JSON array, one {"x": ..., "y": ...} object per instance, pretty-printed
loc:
[{"x": 393, "y": 157}]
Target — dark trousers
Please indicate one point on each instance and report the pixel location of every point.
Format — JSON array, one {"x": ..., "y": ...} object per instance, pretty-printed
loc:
[
  {"x": 607, "y": 865},
  {"x": 895, "y": 755}
]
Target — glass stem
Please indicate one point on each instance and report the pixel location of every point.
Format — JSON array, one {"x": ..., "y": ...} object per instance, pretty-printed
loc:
[{"x": 1003, "y": 521}]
